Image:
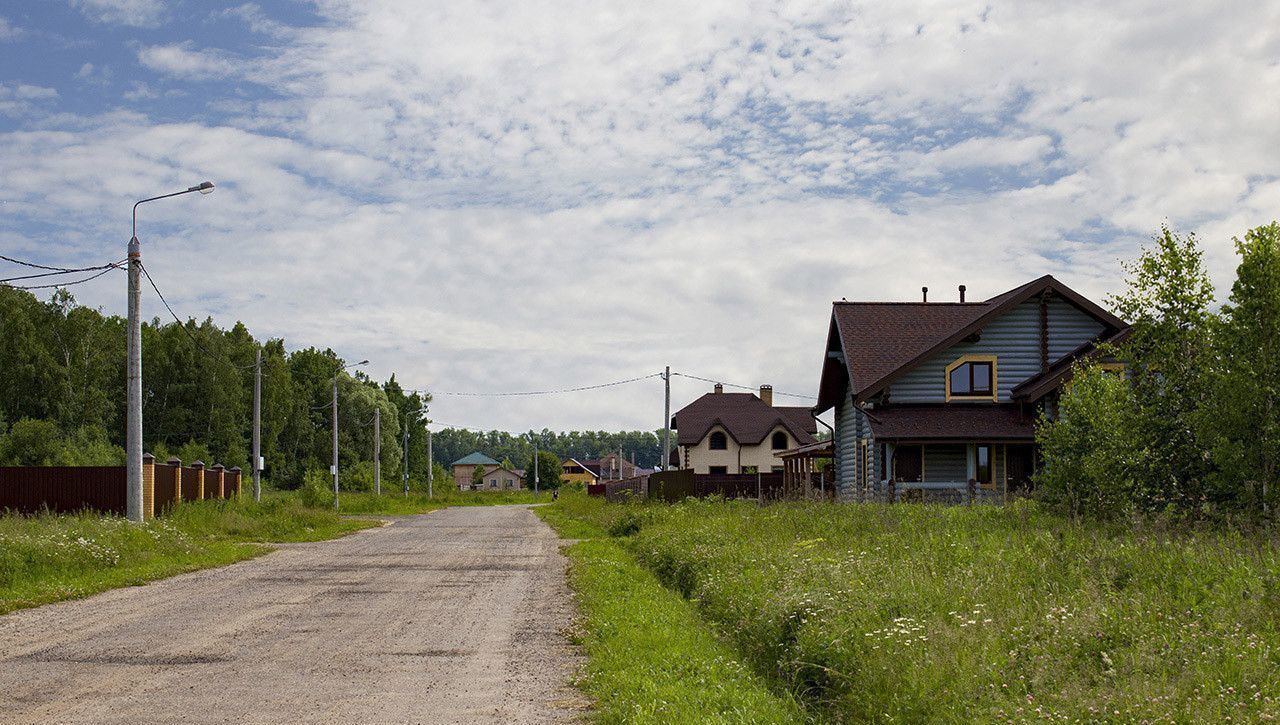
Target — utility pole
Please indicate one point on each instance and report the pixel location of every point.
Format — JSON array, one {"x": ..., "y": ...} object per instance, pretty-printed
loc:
[
  {"x": 406, "y": 457},
  {"x": 334, "y": 469},
  {"x": 431, "y": 466},
  {"x": 133, "y": 375},
  {"x": 535, "y": 466},
  {"x": 257, "y": 427},
  {"x": 377, "y": 451},
  {"x": 666, "y": 423}
]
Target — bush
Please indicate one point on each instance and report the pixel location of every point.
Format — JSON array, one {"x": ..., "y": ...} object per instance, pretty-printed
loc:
[{"x": 317, "y": 489}]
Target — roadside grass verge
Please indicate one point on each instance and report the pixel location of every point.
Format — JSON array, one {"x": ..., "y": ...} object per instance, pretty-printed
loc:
[
  {"x": 48, "y": 558},
  {"x": 651, "y": 658},
  {"x": 393, "y": 502},
  {"x": 961, "y": 614}
]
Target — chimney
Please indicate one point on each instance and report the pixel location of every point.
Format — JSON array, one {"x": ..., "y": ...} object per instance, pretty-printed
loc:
[
  {"x": 962, "y": 293},
  {"x": 924, "y": 291},
  {"x": 718, "y": 389},
  {"x": 766, "y": 394}
]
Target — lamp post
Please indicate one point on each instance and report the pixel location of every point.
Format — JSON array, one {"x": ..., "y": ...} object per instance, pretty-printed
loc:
[
  {"x": 133, "y": 390},
  {"x": 334, "y": 468}
]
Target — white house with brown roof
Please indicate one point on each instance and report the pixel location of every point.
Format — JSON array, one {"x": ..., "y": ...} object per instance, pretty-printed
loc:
[{"x": 739, "y": 432}]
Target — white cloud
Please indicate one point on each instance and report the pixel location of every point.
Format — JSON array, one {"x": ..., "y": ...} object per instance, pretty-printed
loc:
[
  {"x": 182, "y": 61},
  {"x": 526, "y": 196},
  {"x": 8, "y": 31},
  {"x": 136, "y": 13}
]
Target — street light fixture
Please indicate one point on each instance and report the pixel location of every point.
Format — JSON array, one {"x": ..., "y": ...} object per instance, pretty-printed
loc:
[
  {"x": 334, "y": 468},
  {"x": 133, "y": 429}
]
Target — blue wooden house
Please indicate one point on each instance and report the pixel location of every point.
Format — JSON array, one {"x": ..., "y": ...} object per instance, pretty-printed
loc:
[{"x": 940, "y": 399}]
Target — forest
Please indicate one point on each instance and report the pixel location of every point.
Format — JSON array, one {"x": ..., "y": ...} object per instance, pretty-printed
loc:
[{"x": 62, "y": 401}]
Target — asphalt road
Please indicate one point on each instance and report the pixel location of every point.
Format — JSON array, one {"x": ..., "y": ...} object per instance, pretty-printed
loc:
[{"x": 453, "y": 617}]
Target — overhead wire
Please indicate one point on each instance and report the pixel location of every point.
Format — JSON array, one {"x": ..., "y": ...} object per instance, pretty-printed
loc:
[
  {"x": 555, "y": 391},
  {"x": 90, "y": 278},
  {"x": 183, "y": 325},
  {"x": 741, "y": 387}
]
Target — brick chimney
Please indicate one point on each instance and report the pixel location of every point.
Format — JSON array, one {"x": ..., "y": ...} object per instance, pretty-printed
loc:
[
  {"x": 766, "y": 394},
  {"x": 718, "y": 389},
  {"x": 962, "y": 293},
  {"x": 924, "y": 294}
]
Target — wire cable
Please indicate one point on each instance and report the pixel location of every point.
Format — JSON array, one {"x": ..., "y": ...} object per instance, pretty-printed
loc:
[
  {"x": 197, "y": 342},
  {"x": 742, "y": 387},
  {"x": 45, "y": 266},
  {"x": 62, "y": 284},
  {"x": 95, "y": 268},
  {"x": 556, "y": 391}
]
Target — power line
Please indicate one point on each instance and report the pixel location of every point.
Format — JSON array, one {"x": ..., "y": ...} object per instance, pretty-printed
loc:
[
  {"x": 742, "y": 387},
  {"x": 45, "y": 266},
  {"x": 533, "y": 392},
  {"x": 182, "y": 325},
  {"x": 63, "y": 284},
  {"x": 95, "y": 268}
]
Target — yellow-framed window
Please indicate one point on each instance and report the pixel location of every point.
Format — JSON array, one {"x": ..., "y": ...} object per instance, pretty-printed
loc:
[{"x": 973, "y": 377}]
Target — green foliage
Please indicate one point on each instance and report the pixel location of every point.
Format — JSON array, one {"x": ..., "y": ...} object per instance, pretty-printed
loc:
[
  {"x": 652, "y": 660},
  {"x": 42, "y": 443},
  {"x": 317, "y": 489},
  {"x": 970, "y": 614},
  {"x": 477, "y": 477},
  {"x": 454, "y": 443},
  {"x": 1094, "y": 455},
  {"x": 548, "y": 466}
]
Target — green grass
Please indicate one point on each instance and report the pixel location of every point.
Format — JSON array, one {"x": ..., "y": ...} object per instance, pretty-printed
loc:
[
  {"x": 50, "y": 558},
  {"x": 651, "y": 658},
  {"x": 915, "y": 613},
  {"x": 393, "y": 502}
]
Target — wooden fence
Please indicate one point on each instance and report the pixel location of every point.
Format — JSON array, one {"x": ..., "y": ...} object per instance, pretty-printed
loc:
[
  {"x": 64, "y": 489},
  {"x": 672, "y": 486}
]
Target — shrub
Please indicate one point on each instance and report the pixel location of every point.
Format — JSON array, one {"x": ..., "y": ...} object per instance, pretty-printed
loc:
[{"x": 316, "y": 490}]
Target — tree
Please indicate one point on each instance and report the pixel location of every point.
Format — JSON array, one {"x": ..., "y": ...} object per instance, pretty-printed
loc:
[
  {"x": 1092, "y": 453},
  {"x": 1243, "y": 420},
  {"x": 548, "y": 467},
  {"x": 1168, "y": 304},
  {"x": 477, "y": 477}
]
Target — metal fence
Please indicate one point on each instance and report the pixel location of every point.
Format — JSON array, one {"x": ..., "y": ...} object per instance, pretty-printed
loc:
[{"x": 65, "y": 489}]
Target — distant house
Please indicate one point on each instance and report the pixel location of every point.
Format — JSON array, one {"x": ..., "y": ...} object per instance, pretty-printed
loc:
[
  {"x": 934, "y": 395},
  {"x": 574, "y": 471},
  {"x": 613, "y": 466},
  {"x": 496, "y": 477},
  {"x": 739, "y": 432}
]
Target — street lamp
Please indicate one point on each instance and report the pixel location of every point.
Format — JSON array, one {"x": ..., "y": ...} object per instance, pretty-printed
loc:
[
  {"x": 133, "y": 429},
  {"x": 334, "y": 469}
]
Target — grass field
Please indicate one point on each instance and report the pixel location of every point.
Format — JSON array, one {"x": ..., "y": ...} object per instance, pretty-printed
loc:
[
  {"x": 928, "y": 614},
  {"x": 50, "y": 558}
]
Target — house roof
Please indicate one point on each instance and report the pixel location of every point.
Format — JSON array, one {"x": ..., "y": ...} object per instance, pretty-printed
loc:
[
  {"x": 1037, "y": 386},
  {"x": 475, "y": 459},
  {"x": 877, "y": 342},
  {"x": 746, "y": 418},
  {"x": 952, "y": 422},
  {"x": 585, "y": 468}
]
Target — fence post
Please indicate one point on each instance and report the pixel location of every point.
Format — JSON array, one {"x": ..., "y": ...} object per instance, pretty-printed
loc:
[
  {"x": 234, "y": 490},
  {"x": 199, "y": 482},
  {"x": 216, "y": 490},
  {"x": 148, "y": 486}
]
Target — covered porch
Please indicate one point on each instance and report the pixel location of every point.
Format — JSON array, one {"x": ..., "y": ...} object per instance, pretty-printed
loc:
[{"x": 800, "y": 479}]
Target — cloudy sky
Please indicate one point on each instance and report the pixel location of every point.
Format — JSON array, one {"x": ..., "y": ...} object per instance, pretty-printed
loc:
[{"x": 498, "y": 196}]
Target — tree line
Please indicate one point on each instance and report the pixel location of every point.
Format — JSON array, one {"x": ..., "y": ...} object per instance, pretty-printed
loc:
[
  {"x": 454, "y": 443},
  {"x": 1191, "y": 426}
]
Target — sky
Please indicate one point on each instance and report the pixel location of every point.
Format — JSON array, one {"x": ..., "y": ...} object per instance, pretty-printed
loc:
[{"x": 498, "y": 197}]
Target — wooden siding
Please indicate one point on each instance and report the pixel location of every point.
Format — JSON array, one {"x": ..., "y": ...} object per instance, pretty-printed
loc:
[
  {"x": 1014, "y": 338},
  {"x": 846, "y": 445},
  {"x": 949, "y": 462}
]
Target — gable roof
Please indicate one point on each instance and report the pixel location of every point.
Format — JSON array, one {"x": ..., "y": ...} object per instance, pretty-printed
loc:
[
  {"x": 475, "y": 459},
  {"x": 877, "y": 342},
  {"x": 745, "y": 417},
  {"x": 946, "y": 421}
]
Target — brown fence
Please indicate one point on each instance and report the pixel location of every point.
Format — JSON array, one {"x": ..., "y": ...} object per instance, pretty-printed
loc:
[
  {"x": 64, "y": 489},
  {"x": 626, "y": 488},
  {"x": 672, "y": 486}
]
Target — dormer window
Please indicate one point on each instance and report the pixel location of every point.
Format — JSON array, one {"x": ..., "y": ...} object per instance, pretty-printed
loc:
[
  {"x": 779, "y": 442},
  {"x": 719, "y": 442},
  {"x": 972, "y": 377}
]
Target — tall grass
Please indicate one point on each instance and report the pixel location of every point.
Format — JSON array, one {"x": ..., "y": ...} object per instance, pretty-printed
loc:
[
  {"x": 921, "y": 613},
  {"x": 47, "y": 558}
]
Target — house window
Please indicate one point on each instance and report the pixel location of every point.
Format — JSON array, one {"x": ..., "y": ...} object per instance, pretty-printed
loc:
[
  {"x": 982, "y": 460},
  {"x": 972, "y": 376},
  {"x": 719, "y": 442},
  {"x": 721, "y": 470},
  {"x": 779, "y": 441},
  {"x": 493, "y": 483},
  {"x": 777, "y": 469}
]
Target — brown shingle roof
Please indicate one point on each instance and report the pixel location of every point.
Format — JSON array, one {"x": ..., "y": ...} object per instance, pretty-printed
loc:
[
  {"x": 882, "y": 340},
  {"x": 951, "y": 422},
  {"x": 744, "y": 416}
]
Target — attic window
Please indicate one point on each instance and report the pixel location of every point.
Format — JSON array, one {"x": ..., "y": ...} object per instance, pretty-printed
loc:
[
  {"x": 972, "y": 377},
  {"x": 719, "y": 442},
  {"x": 779, "y": 442}
]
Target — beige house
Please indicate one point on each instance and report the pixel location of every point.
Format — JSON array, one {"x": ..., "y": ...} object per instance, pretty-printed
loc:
[
  {"x": 496, "y": 478},
  {"x": 739, "y": 432}
]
